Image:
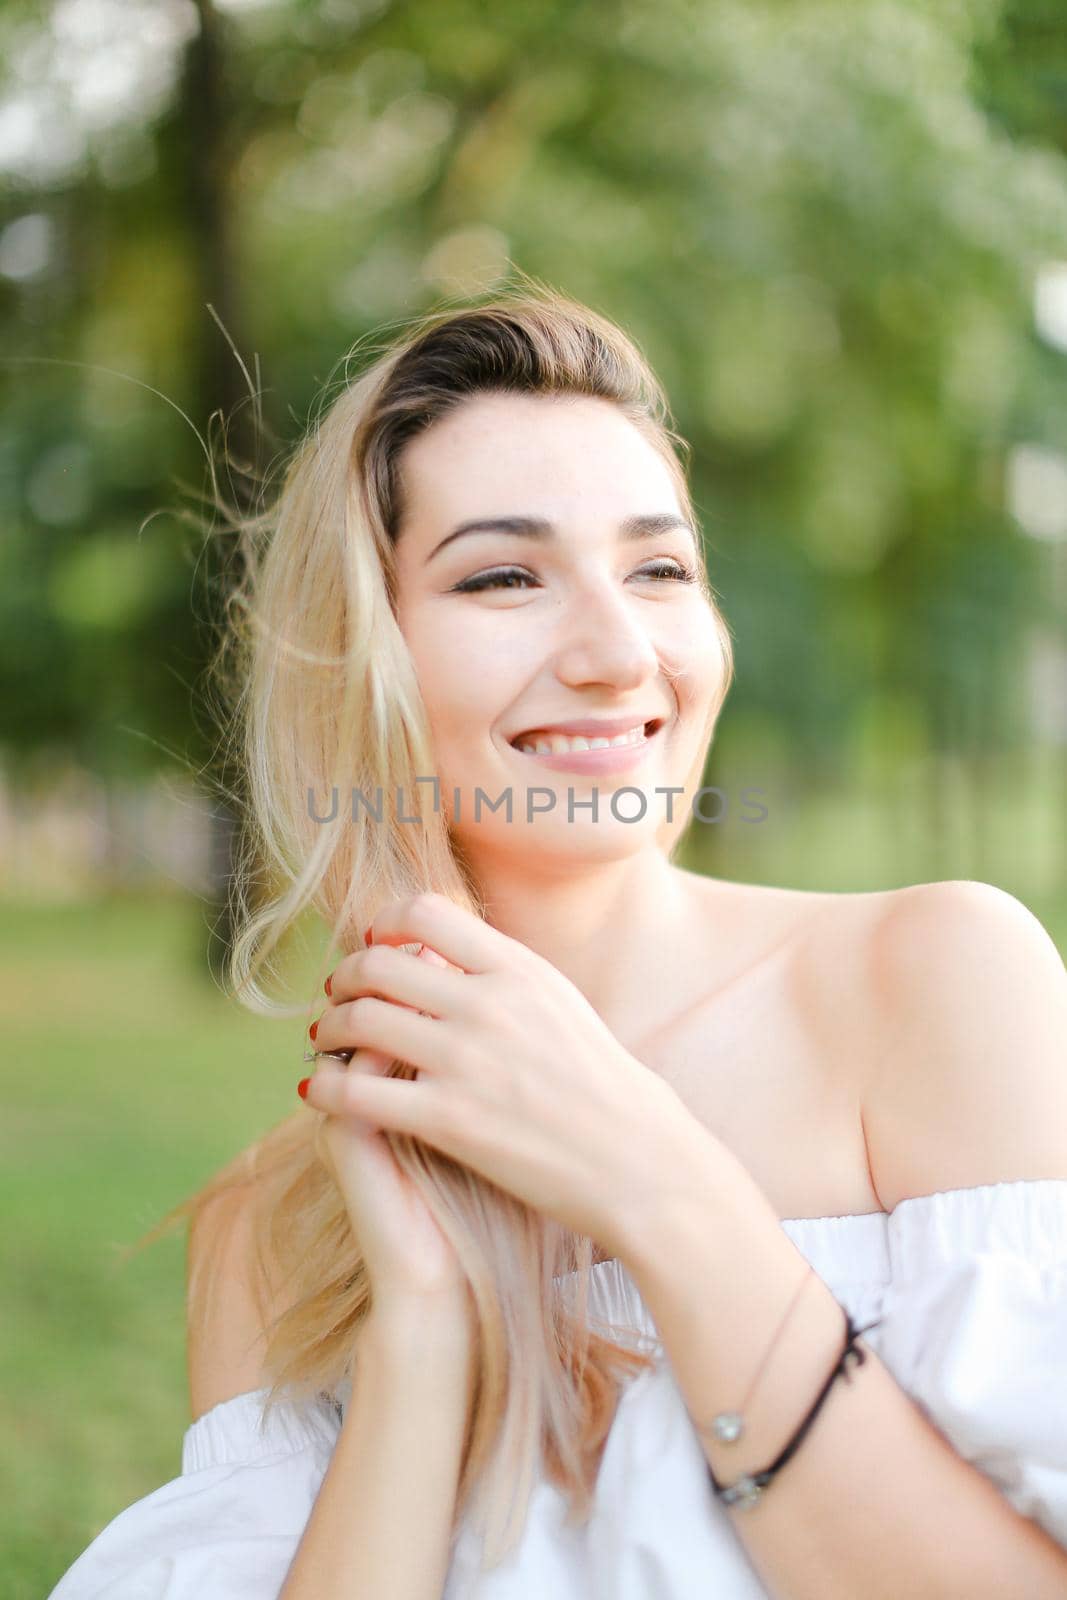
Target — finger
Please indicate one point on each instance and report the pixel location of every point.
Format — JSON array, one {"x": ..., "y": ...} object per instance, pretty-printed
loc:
[
  {"x": 468, "y": 941},
  {"x": 435, "y": 960},
  {"x": 359, "y": 1061},
  {"x": 398, "y": 1103},
  {"x": 369, "y": 1023},
  {"x": 425, "y": 981},
  {"x": 363, "y": 1062},
  {"x": 328, "y": 1081}
]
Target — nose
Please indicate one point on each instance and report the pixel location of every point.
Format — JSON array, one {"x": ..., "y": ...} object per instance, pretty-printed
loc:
[{"x": 604, "y": 640}]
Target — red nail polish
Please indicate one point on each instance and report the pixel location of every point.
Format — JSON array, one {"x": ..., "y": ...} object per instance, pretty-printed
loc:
[
  {"x": 367, "y": 937},
  {"x": 302, "y": 1088},
  {"x": 313, "y": 1030},
  {"x": 328, "y": 985}
]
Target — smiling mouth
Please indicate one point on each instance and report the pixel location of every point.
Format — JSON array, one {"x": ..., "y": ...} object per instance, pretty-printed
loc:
[{"x": 545, "y": 742}]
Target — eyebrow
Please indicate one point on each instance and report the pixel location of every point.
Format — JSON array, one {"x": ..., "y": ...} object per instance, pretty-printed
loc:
[{"x": 638, "y": 527}]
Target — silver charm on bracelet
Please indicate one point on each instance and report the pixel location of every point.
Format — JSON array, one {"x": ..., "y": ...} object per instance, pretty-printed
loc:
[{"x": 728, "y": 1426}]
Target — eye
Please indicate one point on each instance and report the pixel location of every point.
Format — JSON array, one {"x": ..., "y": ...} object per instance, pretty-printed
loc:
[
  {"x": 517, "y": 578},
  {"x": 498, "y": 578},
  {"x": 672, "y": 570}
]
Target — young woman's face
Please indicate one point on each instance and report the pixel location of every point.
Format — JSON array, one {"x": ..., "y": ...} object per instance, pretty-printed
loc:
[{"x": 579, "y": 618}]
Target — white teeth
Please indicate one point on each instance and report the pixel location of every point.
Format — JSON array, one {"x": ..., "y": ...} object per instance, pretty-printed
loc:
[{"x": 557, "y": 744}]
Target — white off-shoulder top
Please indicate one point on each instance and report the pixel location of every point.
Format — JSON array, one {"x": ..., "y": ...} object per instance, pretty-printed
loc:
[{"x": 970, "y": 1286}]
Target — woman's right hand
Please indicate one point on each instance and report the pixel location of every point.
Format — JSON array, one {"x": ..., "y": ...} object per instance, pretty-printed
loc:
[{"x": 414, "y": 1271}]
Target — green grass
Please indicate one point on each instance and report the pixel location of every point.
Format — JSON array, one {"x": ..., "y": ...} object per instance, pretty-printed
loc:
[{"x": 129, "y": 1079}]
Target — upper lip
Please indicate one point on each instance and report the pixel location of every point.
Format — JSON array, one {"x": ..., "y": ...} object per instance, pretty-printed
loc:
[{"x": 591, "y": 727}]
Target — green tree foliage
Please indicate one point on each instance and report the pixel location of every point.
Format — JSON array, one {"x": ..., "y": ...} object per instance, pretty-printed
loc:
[{"x": 821, "y": 219}]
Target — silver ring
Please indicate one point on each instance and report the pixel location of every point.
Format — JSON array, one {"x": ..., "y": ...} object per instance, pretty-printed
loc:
[{"x": 344, "y": 1056}]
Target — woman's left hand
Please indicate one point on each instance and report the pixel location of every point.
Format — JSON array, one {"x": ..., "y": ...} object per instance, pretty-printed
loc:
[{"x": 519, "y": 1077}]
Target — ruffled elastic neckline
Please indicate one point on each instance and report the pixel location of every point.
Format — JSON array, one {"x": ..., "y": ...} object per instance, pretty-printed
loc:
[
  {"x": 287, "y": 1427},
  {"x": 858, "y": 1254},
  {"x": 868, "y": 1250}
]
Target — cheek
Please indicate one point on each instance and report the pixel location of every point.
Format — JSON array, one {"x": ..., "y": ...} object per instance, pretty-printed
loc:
[
  {"x": 692, "y": 650},
  {"x": 464, "y": 676}
]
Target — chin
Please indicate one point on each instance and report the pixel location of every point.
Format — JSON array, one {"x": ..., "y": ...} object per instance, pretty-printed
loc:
[{"x": 569, "y": 844}]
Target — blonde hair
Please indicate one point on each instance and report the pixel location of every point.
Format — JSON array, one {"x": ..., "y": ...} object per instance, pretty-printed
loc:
[{"x": 324, "y": 692}]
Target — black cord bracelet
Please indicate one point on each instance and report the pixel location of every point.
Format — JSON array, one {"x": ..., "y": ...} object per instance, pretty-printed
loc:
[{"x": 748, "y": 1488}]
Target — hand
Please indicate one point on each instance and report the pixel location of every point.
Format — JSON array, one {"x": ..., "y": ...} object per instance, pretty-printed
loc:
[
  {"x": 519, "y": 1078},
  {"x": 410, "y": 1262}
]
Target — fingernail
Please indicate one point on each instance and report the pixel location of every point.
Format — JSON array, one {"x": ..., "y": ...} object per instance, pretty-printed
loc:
[
  {"x": 367, "y": 937},
  {"x": 328, "y": 985},
  {"x": 312, "y": 1031},
  {"x": 302, "y": 1088}
]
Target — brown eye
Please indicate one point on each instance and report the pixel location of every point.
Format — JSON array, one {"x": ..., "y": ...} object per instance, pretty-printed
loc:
[
  {"x": 498, "y": 578},
  {"x": 671, "y": 570},
  {"x": 517, "y": 578}
]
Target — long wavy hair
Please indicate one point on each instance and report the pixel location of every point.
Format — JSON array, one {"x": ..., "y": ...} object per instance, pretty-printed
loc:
[{"x": 321, "y": 692}]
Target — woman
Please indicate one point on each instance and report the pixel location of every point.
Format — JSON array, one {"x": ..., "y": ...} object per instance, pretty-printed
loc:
[{"x": 781, "y": 1119}]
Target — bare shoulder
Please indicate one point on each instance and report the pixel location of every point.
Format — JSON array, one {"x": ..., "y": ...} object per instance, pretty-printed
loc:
[
  {"x": 818, "y": 941},
  {"x": 814, "y": 951},
  {"x": 966, "y": 998},
  {"x": 824, "y": 934},
  {"x": 769, "y": 918},
  {"x": 231, "y": 1298}
]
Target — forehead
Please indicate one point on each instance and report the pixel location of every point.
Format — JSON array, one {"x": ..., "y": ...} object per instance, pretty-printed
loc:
[{"x": 552, "y": 456}]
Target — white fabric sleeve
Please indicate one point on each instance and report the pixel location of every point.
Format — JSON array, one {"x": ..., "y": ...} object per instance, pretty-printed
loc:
[
  {"x": 228, "y": 1527},
  {"x": 974, "y": 1327}
]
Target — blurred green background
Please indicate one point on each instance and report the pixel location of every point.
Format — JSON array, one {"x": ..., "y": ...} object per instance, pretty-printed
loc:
[{"x": 839, "y": 231}]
